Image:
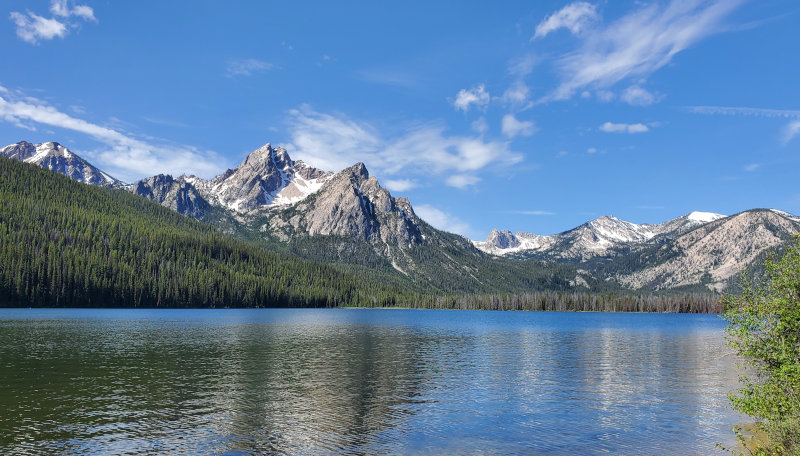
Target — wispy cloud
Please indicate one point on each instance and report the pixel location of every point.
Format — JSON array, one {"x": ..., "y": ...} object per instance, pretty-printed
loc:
[
  {"x": 442, "y": 220},
  {"x": 33, "y": 28},
  {"x": 512, "y": 127},
  {"x": 390, "y": 77},
  {"x": 575, "y": 17},
  {"x": 752, "y": 167},
  {"x": 124, "y": 156},
  {"x": 246, "y": 67},
  {"x": 335, "y": 142},
  {"x": 637, "y": 96},
  {"x": 735, "y": 111},
  {"x": 635, "y": 45},
  {"x": 462, "y": 180},
  {"x": 610, "y": 127},
  {"x": 791, "y": 130},
  {"x": 477, "y": 96},
  {"x": 400, "y": 185},
  {"x": 61, "y": 8}
]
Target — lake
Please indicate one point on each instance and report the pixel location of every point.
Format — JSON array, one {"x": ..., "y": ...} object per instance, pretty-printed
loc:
[{"x": 330, "y": 381}]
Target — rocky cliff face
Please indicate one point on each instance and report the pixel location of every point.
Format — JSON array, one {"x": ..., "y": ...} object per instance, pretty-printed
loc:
[
  {"x": 715, "y": 252},
  {"x": 176, "y": 194},
  {"x": 268, "y": 177},
  {"x": 57, "y": 158},
  {"x": 352, "y": 204}
]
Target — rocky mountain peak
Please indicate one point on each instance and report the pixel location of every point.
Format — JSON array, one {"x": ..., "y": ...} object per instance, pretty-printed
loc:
[
  {"x": 176, "y": 194},
  {"x": 57, "y": 158},
  {"x": 502, "y": 239},
  {"x": 267, "y": 177},
  {"x": 353, "y": 204}
]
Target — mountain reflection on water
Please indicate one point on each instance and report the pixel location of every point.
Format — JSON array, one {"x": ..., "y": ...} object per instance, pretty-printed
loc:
[{"x": 362, "y": 382}]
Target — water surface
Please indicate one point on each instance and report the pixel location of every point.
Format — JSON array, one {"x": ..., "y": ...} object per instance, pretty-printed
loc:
[{"x": 362, "y": 382}]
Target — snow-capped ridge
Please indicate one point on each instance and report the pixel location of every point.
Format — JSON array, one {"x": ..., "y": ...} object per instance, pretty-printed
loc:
[
  {"x": 703, "y": 217},
  {"x": 57, "y": 158},
  {"x": 266, "y": 178},
  {"x": 593, "y": 238}
]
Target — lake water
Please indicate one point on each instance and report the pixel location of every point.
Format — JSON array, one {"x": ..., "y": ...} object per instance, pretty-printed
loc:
[{"x": 362, "y": 382}]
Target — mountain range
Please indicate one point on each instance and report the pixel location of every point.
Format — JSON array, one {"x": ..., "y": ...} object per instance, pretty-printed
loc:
[{"x": 350, "y": 220}]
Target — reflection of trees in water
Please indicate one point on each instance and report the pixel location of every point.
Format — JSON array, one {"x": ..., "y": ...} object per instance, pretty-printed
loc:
[
  {"x": 256, "y": 388},
  {"x": 106, "y": 387},
  {"x": 334, "y": 387}
]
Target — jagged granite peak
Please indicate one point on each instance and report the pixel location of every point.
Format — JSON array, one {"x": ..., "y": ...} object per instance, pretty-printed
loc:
[
  {"x": 177, "y": 194},
  {"x": 267, "y": 177},
  {"x": 353, "y": 204},
  {"x": 57, "y": 158},
  {"x": 503, "y": 239}
]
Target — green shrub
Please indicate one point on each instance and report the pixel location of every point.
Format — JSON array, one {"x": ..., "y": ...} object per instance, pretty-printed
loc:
[{"x": 765, "y": 330}]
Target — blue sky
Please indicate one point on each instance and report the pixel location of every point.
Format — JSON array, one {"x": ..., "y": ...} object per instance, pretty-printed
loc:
[{"x": 528, "y": 116}]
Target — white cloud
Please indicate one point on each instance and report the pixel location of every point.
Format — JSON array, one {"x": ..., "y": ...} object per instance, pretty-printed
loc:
[
  {"x": 400, "y": 185},
  {"x": 517, "y": 94},
  {"x": 477, "y": 96},
  {"x": 522, "y": 66},
  {"x": 332, "y": 142},
  {"x": 442, "y": 220},
  {"x": 124, "y": 156},
  {"x": 610, "y": 127},
  {"x": 752, "y": 167},
  {"x": 513, "y": 127},
  {"x": 480, "y": 125},
  {"x": 462, "y": 180},
  {"x": 791, "y": 130},
  {"x": 605, "y": 95},
  {"x": 60, "y": 8},
  {"x": 591, "y": 150},
  {"x": 637, "y": 96},
  {"x": 336, "y": 142},
  {"x": 246, "y": 67},
  {"x": 637, "y": 44},
  {"x": 576, "y": 17},
  {"x": 32, "y": 28}
]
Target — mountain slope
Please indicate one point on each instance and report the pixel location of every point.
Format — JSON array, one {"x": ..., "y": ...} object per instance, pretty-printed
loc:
[
  {"x": 57, "y": 158},
  {"x": 176, "y": 194},
  {"x": 714, "y": 253},
  {"x": 63, "y": 243},
  {"x": 348, "y": 220}
]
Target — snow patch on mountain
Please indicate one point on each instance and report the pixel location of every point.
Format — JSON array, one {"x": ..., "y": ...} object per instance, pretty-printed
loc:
[
  {"x": 704, "y": 217},
  {"x": 57, "y": 158}
]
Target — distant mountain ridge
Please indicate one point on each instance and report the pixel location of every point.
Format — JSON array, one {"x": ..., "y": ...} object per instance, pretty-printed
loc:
[
  {"x": 348, "y": 217},
  {"x": 700, "y": 248},
  {"x": 593, "y": 238},
  {"x": 55, "y": 157}
]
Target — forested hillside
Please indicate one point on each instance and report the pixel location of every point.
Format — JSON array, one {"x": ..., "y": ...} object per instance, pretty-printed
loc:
[
  {"x": 67, "y": 244},
  {"x": 63, "y": 243}
]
